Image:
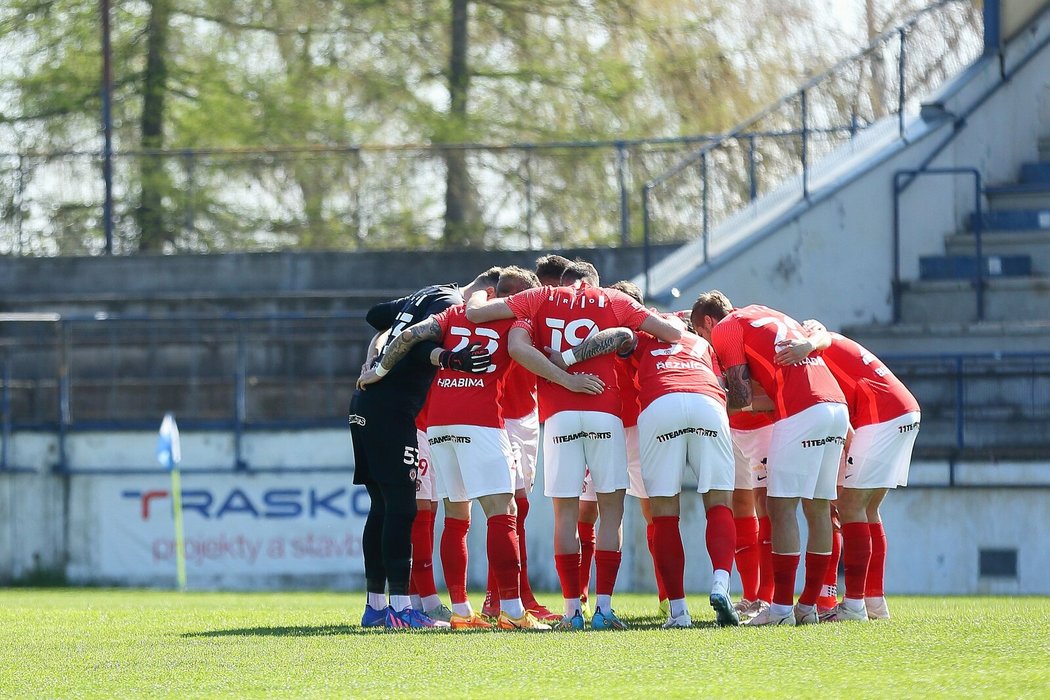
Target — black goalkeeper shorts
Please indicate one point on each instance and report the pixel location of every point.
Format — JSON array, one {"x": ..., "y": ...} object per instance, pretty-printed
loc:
[{"x": 384, "y": 438}]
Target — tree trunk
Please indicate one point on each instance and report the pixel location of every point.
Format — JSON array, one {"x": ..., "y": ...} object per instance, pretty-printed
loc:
[
  {"x": 154, "y": 182},
  {"x": 462, "y": 227}
]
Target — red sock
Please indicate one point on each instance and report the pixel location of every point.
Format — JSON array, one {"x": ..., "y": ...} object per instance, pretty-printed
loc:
[
  {"x": 669, "y": 555},
  {"x": 747, "y": 555},
  {"x": 586, "y": 531},
  {"x": 765, "y": 560},
  {"x": 856, "y": 555},
  {"x": 816, "y": 567},
  {"x": 606, "y": 566},
  {"x": 422, "y": 582},
  {"x": 721, "y": 537},
  {"x": 492, "y": 588},
  {"x": 527, "y": 597},
  {"x": 785, "y": 566},
  {"x": 503, "y": 554},
  {"x": 454, "y": 558},
  {"x": 568, "y": 566},
  {"x": 873, "y": 584},
  {"x": 831, "y": 576},
  {"x": 650, "y": 539}
]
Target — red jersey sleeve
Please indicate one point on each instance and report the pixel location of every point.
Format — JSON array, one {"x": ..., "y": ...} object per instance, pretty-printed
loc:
[
  {"x": 727, "y": 338},
  {"x": 442, "y": 319},
  {"x": 628, "y": 312},
  {"x": 523, "y": 323},
  {"x": 525, "y": 304}
]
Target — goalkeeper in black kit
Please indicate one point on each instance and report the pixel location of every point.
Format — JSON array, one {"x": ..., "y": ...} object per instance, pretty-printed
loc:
[{"x": 383, "y": 431}]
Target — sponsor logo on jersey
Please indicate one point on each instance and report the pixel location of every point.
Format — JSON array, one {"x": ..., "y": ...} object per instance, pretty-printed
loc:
[
  {"x": 702, "y": 432},
  {"x": 356, "y": 419},
  {"x": 460, "y": 382},
  {"x": 442, "y": 439},
  {"x": 680, "y": 364},
  {"x": 558, "y": 439},
  {"x": 907, "y": 428},
  {"x": 830, "y": 439}
]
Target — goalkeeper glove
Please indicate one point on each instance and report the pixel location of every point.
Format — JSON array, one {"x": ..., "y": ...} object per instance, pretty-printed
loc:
[{"x": 471, "y": 359}]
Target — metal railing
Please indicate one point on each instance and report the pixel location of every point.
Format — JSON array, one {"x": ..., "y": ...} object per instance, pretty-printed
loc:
[
  {"x": 778, "y": 146},
  {"x": 239, "y": 373}
]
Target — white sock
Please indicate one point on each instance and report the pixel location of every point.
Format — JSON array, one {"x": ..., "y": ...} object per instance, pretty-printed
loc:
[
  {"x": 400, "y": 602},
  {"x": 779, "y": 610},
  {"x": 720, "y": 581},
  {"x": 805, "y": 609},
  {"x": 417, "y": 602},
  {"x": 431, "y": 601},
  {"x": 572, "y": 606},
  {"x": 854, "y": 604},
  {"x": 377, "y": 601},
  {"x": 604, "y": 602},
  {"x": 678, "y": 607},
  {"x": 515, "y": 608},
  {"x": 463, "y": 609}
]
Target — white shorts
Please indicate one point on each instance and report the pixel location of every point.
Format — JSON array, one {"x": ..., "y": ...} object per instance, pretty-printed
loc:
[
  {"x": 524, "y": 435},
  {"x": 880, "y": 454},
  {"x": 805, "y": 450},
  {"x": 426, "y": 478},
  {"x": 574, "y": 441},
  {"x": 587, "y": 494},
  {"x": 471, "y": 461},
  {"x": 683, "y": 429},
  {"x": 750, "y": 450},
  {"x": 635, "y": 483}
]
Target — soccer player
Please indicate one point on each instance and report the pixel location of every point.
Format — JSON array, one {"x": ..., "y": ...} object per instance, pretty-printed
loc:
[
  {"x": 422, "y": 586},
  {"x": 383, "y": 432},
  {"x": 582, "y": 431},
  {"x": 683, "y": 423},
  {"x": 810, "y": 427},
  {"x": 751, "y": 432},
  {"x": 885, "y": 419},
  {"x": 472, "y": 455}
]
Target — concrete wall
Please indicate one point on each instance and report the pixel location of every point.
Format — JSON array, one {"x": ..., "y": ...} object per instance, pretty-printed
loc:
[
  {"x": 834, "y": 260},
  {"x": 87, "y": 524}
]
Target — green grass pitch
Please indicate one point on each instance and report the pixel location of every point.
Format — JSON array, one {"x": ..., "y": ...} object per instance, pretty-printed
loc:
[{"x": 133, "y": 643}]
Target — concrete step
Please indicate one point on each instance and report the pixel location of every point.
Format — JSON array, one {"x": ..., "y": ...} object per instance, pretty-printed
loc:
[
  {"x": 1035, "y": 172},
  {"x": 1005, "y": 299},
  {"x": 965, "y": 267},
  {"x": 1019, "y": 196},
  {"x": 1032, "y": 242},
  {"x": 1013, "y": 219},
  {"x": 1044, "y": 149},
  {"x": 1025, "y": 335}
]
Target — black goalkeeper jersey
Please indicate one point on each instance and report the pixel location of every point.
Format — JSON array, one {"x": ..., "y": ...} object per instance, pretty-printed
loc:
[{"x": 409, "y": 381}]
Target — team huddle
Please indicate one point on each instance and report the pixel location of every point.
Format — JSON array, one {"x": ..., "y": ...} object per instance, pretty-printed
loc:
[{"x": 763, "y": 411}]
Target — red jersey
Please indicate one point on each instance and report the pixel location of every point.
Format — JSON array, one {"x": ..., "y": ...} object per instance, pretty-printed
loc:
[
  {"x": 873, "y": 393},
  {"x": 627, "y": 378},
  {"x": 562, "y": 318},
  {"x": 750, "y": 336},
  {"x": 519, "y": 392},
  {"x": 459, "y": 398},
  {"x": 683, "y": 367},
  {"x": 748, "y": 420}
]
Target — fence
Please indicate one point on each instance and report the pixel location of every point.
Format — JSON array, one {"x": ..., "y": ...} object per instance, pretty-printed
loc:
[
  {"x": 239, "y": 372},
  {"x": 552, "y": 195},
  {"x": 773, "y": 152}
]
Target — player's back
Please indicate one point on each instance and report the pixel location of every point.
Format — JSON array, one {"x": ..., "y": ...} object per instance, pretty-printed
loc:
[
  {"x": 792, "y": 388},
  {"x": 873, "y": 393},
  {"x": 684, "y": 366},
  {"x": 458, "y": 398}
]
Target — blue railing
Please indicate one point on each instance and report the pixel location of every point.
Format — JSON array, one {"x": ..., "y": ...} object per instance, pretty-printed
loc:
[{"x": 297, "y": 371}]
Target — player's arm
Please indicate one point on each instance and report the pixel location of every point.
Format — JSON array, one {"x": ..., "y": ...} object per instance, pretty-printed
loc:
[
  {"x": 738, "y": 387},
  {"x": 519, "y": 344},
  {"x": 374, "y": 346},
  {"x": 666, "y": 329},
  {"x": 794, "y": 350},
  {"x": 427, "y": 329},
  {"x": 620, "y": 340},
  {"x": 382, "y": 315},
  {"x": 481, "y": 309}
]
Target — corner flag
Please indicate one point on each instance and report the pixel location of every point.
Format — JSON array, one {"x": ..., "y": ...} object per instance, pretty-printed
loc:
[{"x": 169, "y": 454}]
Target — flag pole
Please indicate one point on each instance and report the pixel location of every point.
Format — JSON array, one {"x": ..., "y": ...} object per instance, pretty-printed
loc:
[{"x": 169, "y": 454}]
